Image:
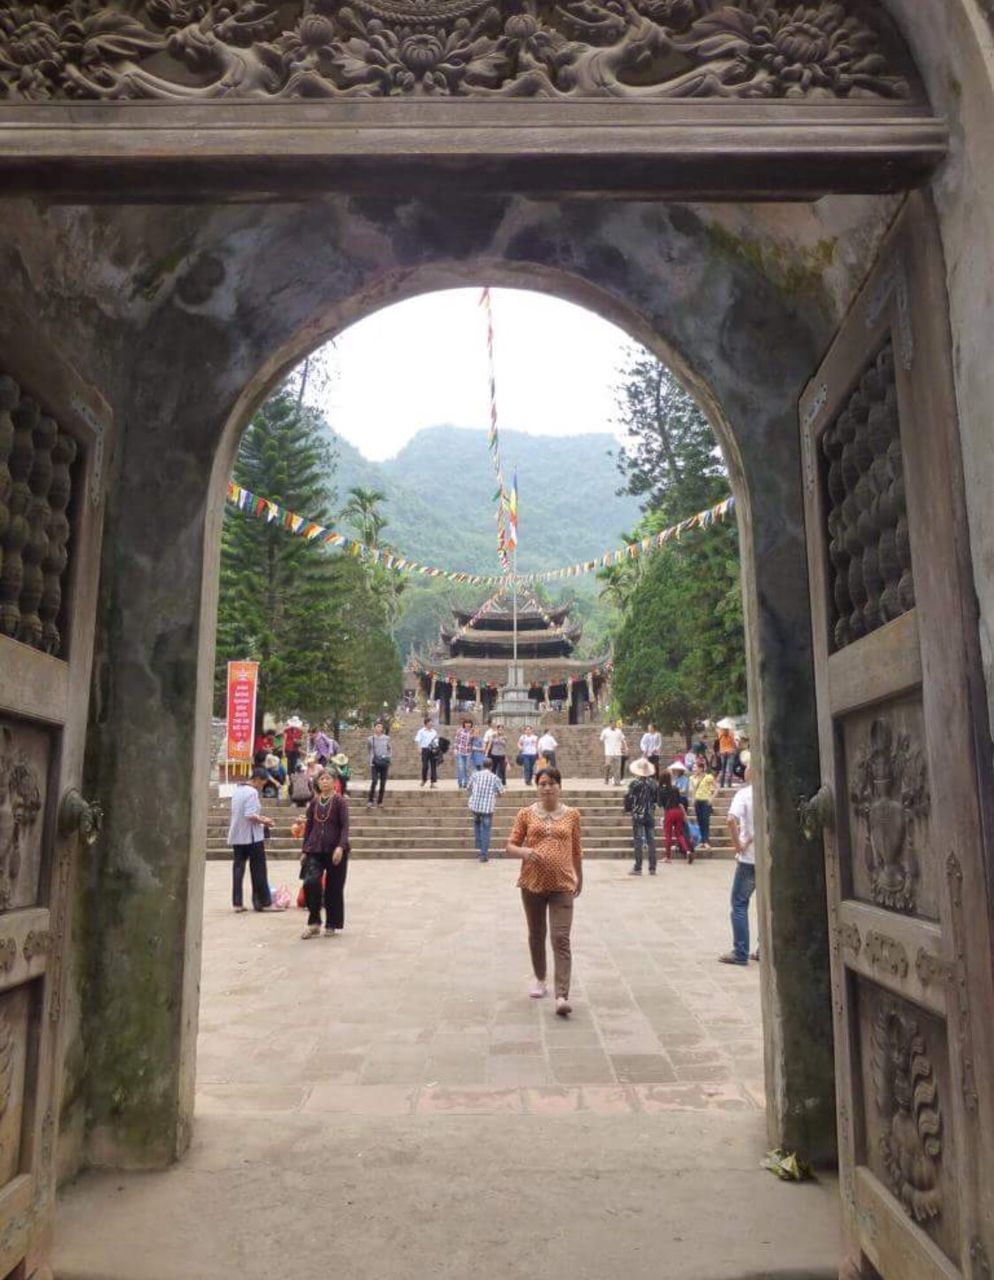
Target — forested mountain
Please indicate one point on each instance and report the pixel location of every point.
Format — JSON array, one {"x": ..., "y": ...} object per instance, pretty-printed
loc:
[{"x": 440, "y": 497}]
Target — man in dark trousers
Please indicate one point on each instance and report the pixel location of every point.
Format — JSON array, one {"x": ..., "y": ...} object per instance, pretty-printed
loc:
[{"x": 246, "y": 837}]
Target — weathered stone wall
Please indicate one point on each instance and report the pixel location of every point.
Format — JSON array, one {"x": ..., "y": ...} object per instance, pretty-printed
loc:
[{"x": 184, "y": 316}]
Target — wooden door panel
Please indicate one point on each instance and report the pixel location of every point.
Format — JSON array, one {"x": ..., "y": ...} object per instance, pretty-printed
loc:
[
  {"x": 886, "y": 807},
  {"x": 51, "y": 435},
  {"x": 891, "y": 615}
]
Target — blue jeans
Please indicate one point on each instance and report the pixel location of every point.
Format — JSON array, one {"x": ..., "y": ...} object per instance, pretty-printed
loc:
[
  {"x": 703, "y": 810},
  {"x": 528, "y": 765},
  {"x": 478, "y": 758},
  {"x": 482, "y": 822},
  {"x": 743, "y": 887},
  {"x": 462, "y": 770},
  {"x": 643, "y": 832}
]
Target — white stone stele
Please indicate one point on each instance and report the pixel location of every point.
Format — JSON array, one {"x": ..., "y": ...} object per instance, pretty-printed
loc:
[{"x": 514, "y": 708}]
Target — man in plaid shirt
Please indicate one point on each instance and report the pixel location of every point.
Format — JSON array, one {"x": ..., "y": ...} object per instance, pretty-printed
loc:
[
  {"x": 464, "y": 749},
  {"x": 484, "y": 788}
]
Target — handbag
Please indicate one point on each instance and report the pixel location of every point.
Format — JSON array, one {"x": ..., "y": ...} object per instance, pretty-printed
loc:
[{"x": 519, "y": 758}]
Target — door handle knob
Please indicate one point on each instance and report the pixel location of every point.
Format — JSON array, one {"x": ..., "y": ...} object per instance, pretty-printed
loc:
[
  {"x": 817, "y": 814},
  {"x": 79, "y": 817}
]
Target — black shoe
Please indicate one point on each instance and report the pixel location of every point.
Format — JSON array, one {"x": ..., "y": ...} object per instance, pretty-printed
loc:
[
  {"x": 652, "y": 871},
  {"x": 732, "y": 958},
  {"x": 635, "y": 871}
]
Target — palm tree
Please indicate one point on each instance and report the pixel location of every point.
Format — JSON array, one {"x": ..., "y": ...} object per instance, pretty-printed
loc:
[{"x": 362, "y": 513}]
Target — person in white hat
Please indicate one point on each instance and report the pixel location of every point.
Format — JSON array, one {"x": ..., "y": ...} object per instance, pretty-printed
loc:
[{"x": 640, "y": 801}]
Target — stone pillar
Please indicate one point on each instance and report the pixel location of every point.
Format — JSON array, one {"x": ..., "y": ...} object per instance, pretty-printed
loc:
[{"x": 148, "y": 760}]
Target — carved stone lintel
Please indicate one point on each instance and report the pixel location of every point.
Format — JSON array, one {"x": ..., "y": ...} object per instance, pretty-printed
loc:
[
  {"x": 886, "y": 953},
  {"x": 207, "y": 50},
  {"x": 8, "y": 954},
  {"x": 849, "y": 937},
  {"x": 37, "y": 943}
]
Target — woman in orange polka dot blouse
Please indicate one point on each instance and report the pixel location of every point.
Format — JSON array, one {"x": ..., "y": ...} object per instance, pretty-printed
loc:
[{"x": 546, "y": 837}]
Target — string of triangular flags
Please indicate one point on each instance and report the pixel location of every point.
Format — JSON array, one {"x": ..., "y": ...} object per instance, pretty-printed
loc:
[{"x": 273, "y": 513}]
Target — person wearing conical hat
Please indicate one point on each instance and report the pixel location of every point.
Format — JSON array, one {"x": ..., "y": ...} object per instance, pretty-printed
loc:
[{"x": 640, "y": 801}]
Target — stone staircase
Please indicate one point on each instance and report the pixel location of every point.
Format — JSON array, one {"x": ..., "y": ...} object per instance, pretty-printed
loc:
[
  {"x": 436, "y": 824},
  {"x": 580, "y": 753}
]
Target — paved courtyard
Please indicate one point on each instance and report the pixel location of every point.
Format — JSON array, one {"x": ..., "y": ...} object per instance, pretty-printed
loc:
[{"x": 390, "y": 1103}]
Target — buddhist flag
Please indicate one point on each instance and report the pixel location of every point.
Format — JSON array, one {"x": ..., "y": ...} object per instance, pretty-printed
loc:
[{"x": 512, "y": 515}]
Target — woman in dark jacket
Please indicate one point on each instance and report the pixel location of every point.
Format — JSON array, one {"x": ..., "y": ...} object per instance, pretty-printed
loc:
[
  {"x": 671, "y": 802},
  {"x": 325, "y": 854}
]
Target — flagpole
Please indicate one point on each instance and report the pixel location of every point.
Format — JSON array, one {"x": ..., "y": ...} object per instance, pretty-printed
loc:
[{"x": 514, "y": 598}]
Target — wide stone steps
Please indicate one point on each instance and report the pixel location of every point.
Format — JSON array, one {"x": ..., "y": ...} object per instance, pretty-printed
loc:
[
  {"x": 579, "y": 755},
  {"x": 437, "y": 824}
]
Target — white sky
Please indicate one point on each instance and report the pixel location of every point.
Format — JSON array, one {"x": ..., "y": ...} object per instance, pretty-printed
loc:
[{"x": 423, "y": 363}]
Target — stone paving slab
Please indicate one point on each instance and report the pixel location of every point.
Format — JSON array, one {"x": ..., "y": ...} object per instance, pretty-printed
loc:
[{"x": 390, "y": 1103}]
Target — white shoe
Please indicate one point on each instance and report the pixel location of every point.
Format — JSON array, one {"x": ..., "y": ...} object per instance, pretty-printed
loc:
[
  {"x": 563, "y": 1007},
  {"x": 312, "y": 931},
  {"x": 537, "y": 990}
]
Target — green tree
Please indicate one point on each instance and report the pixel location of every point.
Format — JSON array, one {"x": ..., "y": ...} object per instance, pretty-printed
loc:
[
  {"x": 670, "y": 458},
  {"x": 679, "y": 647},
  {"x": 362, "y": 513},
  {"x": 280, "y": 601}
]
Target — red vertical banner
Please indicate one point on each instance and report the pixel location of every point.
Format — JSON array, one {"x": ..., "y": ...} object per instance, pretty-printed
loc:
[{"x": 243, "y": 681}]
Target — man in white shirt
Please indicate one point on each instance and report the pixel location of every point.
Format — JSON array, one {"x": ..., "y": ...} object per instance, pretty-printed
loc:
[
  {"x": 547, "y": 746},
  {"x": 245, "y": 835},
  {"x": 651, "y": 746},
  {"x": 427, "y": 739},
  {"x": 614, "y": 749},
  {"x": 743, "y": 833}
]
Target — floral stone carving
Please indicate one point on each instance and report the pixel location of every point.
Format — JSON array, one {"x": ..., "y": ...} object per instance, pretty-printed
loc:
[
  {"x": 889, "y": 794},
  {"x": 208, "y": 49},
  {"x": 20, "y": 806},
  {"x": 907, "y": 1098}
]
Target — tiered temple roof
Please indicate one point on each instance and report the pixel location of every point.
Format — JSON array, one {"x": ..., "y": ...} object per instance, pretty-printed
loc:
[{"x": 475, "y": 652}]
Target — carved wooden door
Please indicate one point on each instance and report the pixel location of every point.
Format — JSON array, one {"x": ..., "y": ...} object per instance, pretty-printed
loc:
[
  {"x": 905, "y": 761},
  {"x": 52, "y": 434}
]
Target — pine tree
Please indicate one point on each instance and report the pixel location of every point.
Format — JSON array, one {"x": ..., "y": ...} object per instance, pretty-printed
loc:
[
  {"x": 281, "y": 601},
  {"x": 680, "y": 648},
  {"x": 671, "y": 457}
]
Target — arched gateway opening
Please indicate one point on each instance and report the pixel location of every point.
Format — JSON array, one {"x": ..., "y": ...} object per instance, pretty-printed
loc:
[{"x": 817, "y": 334}]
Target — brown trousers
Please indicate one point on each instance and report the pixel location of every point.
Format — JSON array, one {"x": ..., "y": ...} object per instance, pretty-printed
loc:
[{"x": 560, "y": 911}]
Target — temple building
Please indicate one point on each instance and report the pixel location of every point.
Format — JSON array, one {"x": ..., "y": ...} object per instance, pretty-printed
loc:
[{"x": 473, "y": 663}]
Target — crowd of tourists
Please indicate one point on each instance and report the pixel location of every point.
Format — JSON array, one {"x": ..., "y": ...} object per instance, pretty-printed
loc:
[
  {"x": 474, "y": 745},
  {"x": 545, "y": 835}
]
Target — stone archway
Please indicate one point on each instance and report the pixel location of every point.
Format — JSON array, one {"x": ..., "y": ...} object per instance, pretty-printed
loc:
[
  {"x": 182, "y": 315},
  {"x": 326, "y": 264}
]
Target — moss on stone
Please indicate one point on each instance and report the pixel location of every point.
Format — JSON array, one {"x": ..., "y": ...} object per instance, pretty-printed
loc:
[{"x": 795, "y": 272}]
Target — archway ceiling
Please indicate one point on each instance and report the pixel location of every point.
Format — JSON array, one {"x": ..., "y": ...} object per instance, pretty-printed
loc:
[{"x": 703, "y": 98}]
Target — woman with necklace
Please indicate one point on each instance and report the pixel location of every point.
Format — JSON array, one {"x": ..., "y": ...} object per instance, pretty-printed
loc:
[
  {"x": 546, "y": 837},
  {"x": 325, "y": 856}
]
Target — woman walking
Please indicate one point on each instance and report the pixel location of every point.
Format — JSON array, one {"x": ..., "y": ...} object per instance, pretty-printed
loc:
[
  {"x": 673, "y": 826},
  {"x": 528, "y": 750},
  {"x": 703, "y": 785},
  {"x": 546, "y": 837},
  {"x": 379, "y": 761},
  {"x": 325, "y": 855},
  {"x": 498, "y": 752}
]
